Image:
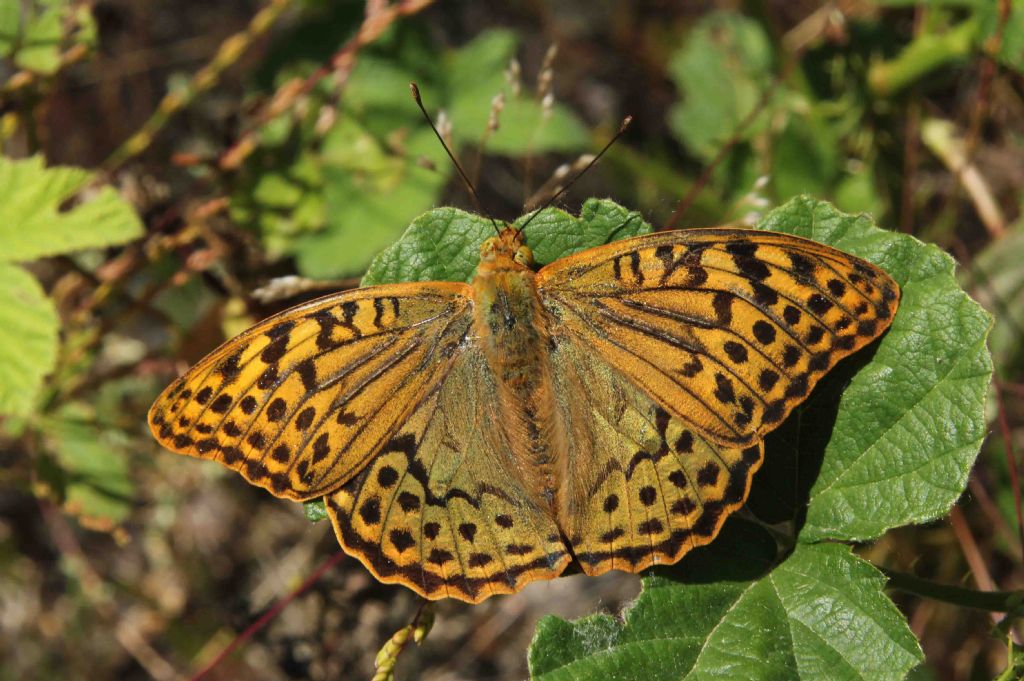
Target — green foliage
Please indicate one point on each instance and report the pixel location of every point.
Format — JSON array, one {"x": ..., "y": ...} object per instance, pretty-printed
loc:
[
  {"x": 92, "y": 476},
  {"x": 28, "y": 339},
  {"x": 34, "y": 223},
  {"x": 866, "y": 456},
  {"x": 315, "y": 510},
  {"x": 721, "y": 71},
  {"x": 32, "y": 33},
  {"x": 941, "y": 44},
  {"x": 474, "y": 74},
  {"x": 333, "y": 198},
  {"x": 726, "y": 611}
]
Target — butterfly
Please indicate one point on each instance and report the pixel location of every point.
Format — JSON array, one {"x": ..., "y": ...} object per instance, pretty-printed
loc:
[{"x": 608, "y": 409}]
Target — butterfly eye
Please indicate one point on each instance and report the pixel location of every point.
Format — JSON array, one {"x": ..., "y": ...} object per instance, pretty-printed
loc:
[
  {"x": 524, "y": 256},
  {"x": 487, "y": 249}
]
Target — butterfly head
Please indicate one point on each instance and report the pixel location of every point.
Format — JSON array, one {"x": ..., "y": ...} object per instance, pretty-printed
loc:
[{"x": 506, "y": 251}]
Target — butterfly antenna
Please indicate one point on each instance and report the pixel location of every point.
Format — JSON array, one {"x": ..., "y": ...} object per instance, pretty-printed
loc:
[
  {"x": 622, "y": 128},
  {"x": 465, "y": 178}
]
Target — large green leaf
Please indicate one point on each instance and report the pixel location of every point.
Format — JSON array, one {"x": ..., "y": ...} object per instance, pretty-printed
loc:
[
  {"x": 902, "y": 437},
  {"x": 725, "y": 613},
  {"x": 34, "y": 222},
  {"x": 28, "y": 339}
]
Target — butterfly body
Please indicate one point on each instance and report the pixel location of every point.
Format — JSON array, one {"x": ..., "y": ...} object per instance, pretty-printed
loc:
[
  {"x": 511, "y": 326},
  {"x": 609, "y": 408}
]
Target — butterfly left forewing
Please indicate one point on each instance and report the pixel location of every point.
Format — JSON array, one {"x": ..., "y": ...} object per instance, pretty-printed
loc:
[
  {"x": 300, "y": 402},
  {"x": 726, "y": 329}
]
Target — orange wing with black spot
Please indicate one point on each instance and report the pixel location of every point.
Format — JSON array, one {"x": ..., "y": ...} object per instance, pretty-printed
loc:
[
  {"x": 727, "y": 329},
  {"x": 441, "y": 509},
  {"x": 301, "y": 402}
]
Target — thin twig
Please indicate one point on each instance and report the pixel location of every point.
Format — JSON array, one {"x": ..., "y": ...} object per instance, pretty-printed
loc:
[
  {"x": 378, "y": 19},
  {"x": 267, "y": 617},
  {"x": 695, "y": 189},
  {"x": 911, "y": 145},
  {"x": 970, "y": 550},
  {"x": 205, "y": 78}
]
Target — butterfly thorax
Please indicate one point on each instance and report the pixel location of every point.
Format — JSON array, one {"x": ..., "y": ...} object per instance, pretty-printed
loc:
[{"x": 513, "y": 329}]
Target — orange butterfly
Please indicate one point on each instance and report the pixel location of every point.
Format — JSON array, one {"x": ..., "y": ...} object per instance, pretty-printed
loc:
[{"x": 609, "y": 408}]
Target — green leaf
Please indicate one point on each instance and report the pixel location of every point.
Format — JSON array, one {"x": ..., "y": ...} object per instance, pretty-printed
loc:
[
  {"x": 315, "y": 510},
  {"x": 440, "y": 245},
  {"x": 370, "y": 195},
  {"x": 720, "y": 71},
  {"x": 31, "y": 32},
  {"x": 806, "y": 159},
  {"x": 93, "y": 466},
  {"x": 897, "y": 439},
  {"x": 723, "y": 612},
  {"x": 475, "y": 74},
  {"x": 34, "y": 224},
  {"x": 10, "y": 26},
  {"x": 28, "y": 339},
  {"x": 479, "y": 63},
  {"x": 444, "y": 244},
  {"x": 39, "y": 46}
]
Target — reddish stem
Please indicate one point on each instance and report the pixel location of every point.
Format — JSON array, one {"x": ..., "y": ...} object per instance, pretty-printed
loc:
[
  {"x": 1011, "y": 462},
  {"x": 269, "y": 615}
]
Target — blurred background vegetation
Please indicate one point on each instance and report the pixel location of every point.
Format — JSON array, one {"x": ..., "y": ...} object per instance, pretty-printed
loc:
[{"x": 214, "y": 147}]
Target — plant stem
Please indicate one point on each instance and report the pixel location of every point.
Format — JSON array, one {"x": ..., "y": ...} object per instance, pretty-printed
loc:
[
  {"x": 1010, "y": 602},
  {"x": 204, "y": 79},
  {"x": 925, "y": 53}
]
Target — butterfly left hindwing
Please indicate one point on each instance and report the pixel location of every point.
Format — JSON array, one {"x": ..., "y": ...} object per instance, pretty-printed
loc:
[{"x": 441, "y": 509}]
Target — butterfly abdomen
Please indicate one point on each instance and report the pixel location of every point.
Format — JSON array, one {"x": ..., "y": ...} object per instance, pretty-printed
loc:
[{"x": 512, "y": 327}]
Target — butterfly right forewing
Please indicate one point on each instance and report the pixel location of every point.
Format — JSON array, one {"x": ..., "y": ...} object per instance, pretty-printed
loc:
[{"x": 302, "y": 401}]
